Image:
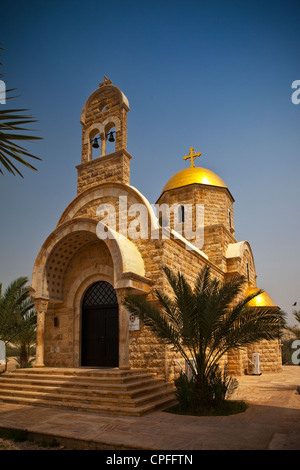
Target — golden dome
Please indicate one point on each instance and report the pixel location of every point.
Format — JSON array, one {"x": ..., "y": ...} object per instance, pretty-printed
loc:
[
  {"x": 194, "y": 175},
  {"x": 261, "y": 300}
]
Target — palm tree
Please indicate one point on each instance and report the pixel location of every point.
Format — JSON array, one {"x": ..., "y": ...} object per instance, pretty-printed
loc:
[
  {"x": 295, "y": 329},
  {"x": 202, "y": 323},
  {"x": 11, "y": 122},
  {"x": 17, "y": 316},
  {"x": 26, "y": 336}
]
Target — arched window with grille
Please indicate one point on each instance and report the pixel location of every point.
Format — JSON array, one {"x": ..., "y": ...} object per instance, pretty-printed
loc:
[{"x": 181, "y": 214}]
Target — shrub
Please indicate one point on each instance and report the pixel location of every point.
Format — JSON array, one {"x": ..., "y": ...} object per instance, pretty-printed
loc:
[{"x": 195, "y": 398}]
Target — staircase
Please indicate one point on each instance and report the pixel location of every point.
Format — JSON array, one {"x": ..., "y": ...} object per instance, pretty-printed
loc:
[{"x": 127, "y": 392}]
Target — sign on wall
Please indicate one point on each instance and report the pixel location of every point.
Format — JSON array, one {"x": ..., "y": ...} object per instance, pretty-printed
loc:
[
  {"x": 2, "y": 353},
  {"x": 134, "y": 322}
]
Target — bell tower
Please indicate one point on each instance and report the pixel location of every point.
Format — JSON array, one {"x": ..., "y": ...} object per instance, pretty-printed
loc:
[{"x": 104, "y": 155}]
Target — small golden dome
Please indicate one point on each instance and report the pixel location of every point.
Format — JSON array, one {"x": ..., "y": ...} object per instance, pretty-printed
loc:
[
  {"x": 194, "y": 175},
  {"x": 261, "y": 300}
]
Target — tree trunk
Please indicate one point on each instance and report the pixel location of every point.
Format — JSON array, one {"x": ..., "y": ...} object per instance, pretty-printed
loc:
[{"x": 23, "y": 356}]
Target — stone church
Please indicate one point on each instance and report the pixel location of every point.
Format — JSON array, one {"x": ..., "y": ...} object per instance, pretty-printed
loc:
[{"x": 86, "y": 265}]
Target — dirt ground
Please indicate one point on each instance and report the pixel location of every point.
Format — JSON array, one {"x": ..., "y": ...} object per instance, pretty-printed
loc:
[{"x": 7, "y": 444}]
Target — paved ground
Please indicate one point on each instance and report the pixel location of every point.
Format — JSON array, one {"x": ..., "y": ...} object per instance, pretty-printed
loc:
[{"x": 272, "y": 422}]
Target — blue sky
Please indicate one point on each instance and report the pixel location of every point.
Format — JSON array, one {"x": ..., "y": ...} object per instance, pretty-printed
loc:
[{"x": 215, "y": 75}]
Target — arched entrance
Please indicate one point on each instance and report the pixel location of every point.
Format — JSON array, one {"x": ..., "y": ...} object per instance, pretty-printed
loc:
[{"x": 100, "y": 326}]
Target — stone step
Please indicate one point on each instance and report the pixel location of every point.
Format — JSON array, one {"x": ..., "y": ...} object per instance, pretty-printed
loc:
[
  {"x": 122, "y": 392},
  {"x": 128, "y": 379},
  {"x": 110, "y": 391},
  {"x": 83, "y": 371},
  {"x": 99, "y": 384},
  {"x": 97, "y": 399},
  {"x": 160, "y": 403}
]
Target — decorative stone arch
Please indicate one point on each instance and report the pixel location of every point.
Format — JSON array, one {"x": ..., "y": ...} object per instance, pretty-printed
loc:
[
  {"x": 236, "y": 255},
  {"x": 113, "y": 121},
  {"x": 125, "y": 255},
  {"x": 126, "y": 275},
  {"x": 237, "y": 249},
  {"x": 84, "y": 280},
  {"x": 93, "y": 130},
  {"x": 114, "y": 93},
  {"x": 104, "y": 190}
]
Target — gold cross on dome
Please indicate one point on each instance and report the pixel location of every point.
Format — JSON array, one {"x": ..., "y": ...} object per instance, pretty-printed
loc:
[{"x": 191, "y": 156}]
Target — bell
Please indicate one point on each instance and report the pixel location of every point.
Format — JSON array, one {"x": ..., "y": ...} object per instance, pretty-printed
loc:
[
  {"x": 111, "y": 137},
  {"x": 95, "y": 143}
]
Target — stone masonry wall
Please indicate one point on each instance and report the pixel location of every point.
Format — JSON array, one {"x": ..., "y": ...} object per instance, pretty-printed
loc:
[
  {"x": 270, "y": 355},
  {"x": 113, "y": 167},
  {"x": 59, "y": 340},
  {"x": 217, "y": 202},
  {"x": 216, "y": 239}
]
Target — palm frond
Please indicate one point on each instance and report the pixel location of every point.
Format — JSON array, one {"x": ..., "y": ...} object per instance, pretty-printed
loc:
[
  {"x": 152, "y": 317},
  {"x": 206, "y": 321},
  {"x": 157, "y": 322},
  {"x": 169, "y": 307},
  {"x": 10, "y": 122},
  {"x": 202, "y": 282},
  {"x": 14, "y": 304}
]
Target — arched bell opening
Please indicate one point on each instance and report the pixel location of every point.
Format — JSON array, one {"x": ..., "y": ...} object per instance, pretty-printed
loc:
[
  {"x": 95, "y": 146},
  {"x": 103, "y": 144},
  {"x": 110, "y": 138}
]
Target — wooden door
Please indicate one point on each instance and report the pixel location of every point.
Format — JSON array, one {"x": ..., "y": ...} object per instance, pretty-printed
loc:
[{"x": 100, "y": 326}]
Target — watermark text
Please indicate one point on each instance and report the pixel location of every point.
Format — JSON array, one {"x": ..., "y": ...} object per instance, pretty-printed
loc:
[
  {"x": 296, "y": 354},
  {"x": 2, "y": 92},
  {"x": 296, "y": 94},
  {"x": 158, "y": 221}
]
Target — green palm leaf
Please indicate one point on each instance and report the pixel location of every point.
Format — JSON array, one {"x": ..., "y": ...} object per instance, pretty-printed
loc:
[
  {"x": 207, "y": 320},
  {"x": 14, "y": 305},
  {"x": 10, "y": 152}
]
